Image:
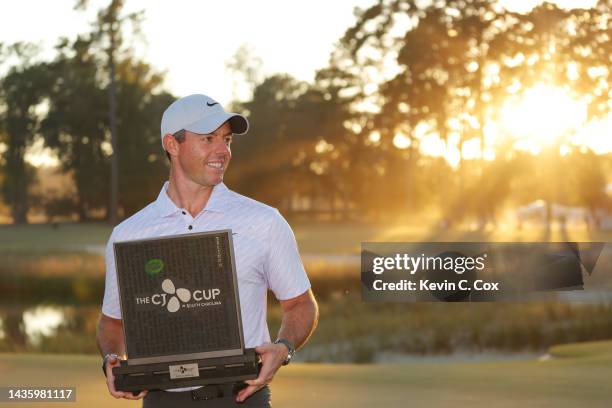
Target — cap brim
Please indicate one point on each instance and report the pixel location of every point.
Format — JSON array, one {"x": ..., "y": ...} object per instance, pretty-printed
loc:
[{"x": 238, "y": 123}]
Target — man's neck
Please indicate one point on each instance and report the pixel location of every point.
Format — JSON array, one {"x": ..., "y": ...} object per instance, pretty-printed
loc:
[{"x": 188, "y": 195}]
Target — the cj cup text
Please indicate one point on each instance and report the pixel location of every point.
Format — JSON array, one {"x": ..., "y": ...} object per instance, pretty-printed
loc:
[
  {"x": 412, "y": 264},
  {"x": 160, "y": 299}
]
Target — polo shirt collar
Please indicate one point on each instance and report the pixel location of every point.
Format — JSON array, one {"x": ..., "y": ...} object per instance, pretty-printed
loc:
[
  {"x": 219, "y": 199},
  {"x": 217, "y": 202}
]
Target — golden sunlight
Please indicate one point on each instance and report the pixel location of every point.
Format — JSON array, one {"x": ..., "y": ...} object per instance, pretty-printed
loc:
[
  {"x": 542, "y": 116},
  {"x": 401, "y": 141},
  {"x": 596, "y": 135},
  {"x": 523, "y": 6}
]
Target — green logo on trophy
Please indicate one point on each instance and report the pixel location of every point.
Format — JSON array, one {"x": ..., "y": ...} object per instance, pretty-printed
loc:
[{"x": 154, "y": 266}]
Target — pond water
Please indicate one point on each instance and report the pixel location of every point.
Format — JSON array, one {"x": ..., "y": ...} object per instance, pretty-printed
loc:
[{"x": 48, "y": 328}]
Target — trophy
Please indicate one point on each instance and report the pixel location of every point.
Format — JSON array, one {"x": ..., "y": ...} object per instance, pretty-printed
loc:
[{"x": 181, "y": 313}]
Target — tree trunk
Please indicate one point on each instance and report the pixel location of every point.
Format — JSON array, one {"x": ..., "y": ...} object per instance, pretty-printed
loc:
[
  {"x": 17, "y": 181},
  {"x": 14, "y": 328},
  {"x": 112, "y": 118}
]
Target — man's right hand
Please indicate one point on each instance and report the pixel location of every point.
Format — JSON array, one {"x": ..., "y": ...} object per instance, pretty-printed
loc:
[{"x": 114, "y": 361}]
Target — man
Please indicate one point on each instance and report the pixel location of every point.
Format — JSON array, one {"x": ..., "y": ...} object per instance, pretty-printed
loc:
[{"x": 196, "y": 135}]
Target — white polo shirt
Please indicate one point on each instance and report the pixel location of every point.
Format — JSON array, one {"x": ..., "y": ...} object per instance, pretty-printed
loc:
[{"x": 264, "y": 246}]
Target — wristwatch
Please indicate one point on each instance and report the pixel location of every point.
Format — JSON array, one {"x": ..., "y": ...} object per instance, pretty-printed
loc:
[
  {"x": 105, "y": 360},
  {"x": 290, "y": 348}
]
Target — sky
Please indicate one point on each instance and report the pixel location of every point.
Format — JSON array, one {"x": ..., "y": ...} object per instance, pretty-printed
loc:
[{"x": 191, "y": 40}]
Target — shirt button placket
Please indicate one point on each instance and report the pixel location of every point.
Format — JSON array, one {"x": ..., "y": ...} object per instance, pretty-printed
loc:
[{"x": 189, "y": 227}]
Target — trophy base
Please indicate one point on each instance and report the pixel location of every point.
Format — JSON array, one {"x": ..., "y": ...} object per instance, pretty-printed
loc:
[{"x": 188, "y": 373}]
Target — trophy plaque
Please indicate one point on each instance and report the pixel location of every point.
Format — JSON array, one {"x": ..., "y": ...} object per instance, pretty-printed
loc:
[{"x": 181, "y": 313}]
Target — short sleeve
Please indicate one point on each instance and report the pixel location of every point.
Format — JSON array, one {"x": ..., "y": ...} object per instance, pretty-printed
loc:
[
  {"x": 283, "y": 267},
  {"x": 110, "y": 304}
]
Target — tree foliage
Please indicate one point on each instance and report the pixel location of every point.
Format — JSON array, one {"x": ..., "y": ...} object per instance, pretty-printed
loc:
[
  {"x": 21, "y": 92},
  {"x": 75, "y": 126}
]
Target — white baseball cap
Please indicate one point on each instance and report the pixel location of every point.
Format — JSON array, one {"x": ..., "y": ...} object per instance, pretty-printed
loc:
[{"x": 199, "y": 114}]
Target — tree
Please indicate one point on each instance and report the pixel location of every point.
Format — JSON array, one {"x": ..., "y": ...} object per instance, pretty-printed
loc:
[
  {"x": 270, "y": 136},
  {"x": 22, "y": 92},
  {"x": 564, "y": 48},
  {"x": 246, "y": 67},
  {"x": 108, "y": 32},
  {"x": 455, "y": 62},
  {"x": 439, "y": 52},
  {"x": 141, "y": 103},
  {"x": 75, "y": 125},
  {"x": 295, "y": 144},
  {"x": 588, "y": 183}
]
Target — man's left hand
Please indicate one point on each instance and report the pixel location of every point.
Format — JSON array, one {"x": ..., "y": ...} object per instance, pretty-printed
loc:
[{"x": 272, "y": 357}]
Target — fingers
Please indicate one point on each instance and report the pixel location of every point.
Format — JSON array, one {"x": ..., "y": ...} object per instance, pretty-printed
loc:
[
  {"x": 272, "y": 358},
  {"x": 261, "y": 380},
  {"x": 110, "y": 382},
  {"x": 110, "y": 378},
  {"x": 118, "y": 394},
  {"x": 264, "y": 348},
  {"x": 265, "y": 377},
  {"x": 248, "y": 391},
  {"x": 266, "y": 373},
  {"x": 129, "y": 395}
]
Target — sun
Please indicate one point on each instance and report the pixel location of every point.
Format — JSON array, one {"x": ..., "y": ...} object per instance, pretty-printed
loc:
[{"x": 542, "y": 116}]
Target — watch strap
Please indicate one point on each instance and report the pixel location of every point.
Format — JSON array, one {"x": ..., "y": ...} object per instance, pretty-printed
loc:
[
  {"x": 290, "y": 349},
  {"x": 105, "y": 360}
]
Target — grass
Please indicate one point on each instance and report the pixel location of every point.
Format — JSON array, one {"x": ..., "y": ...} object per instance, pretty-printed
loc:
[
  {"x": 313, "y": 237},
  {"x": 585, "y": 350},
  {"x": 353, "y": 331},
  {"x": 45, "y": 238},
  {"x": 570, "y": 380}
]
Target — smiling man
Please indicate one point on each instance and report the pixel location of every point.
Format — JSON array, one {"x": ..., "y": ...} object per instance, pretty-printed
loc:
[{"x": 197, "y": 134}]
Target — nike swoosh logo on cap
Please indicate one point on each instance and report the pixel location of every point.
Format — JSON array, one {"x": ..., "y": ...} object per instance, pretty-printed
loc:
[{"x": 211, "y": 104}]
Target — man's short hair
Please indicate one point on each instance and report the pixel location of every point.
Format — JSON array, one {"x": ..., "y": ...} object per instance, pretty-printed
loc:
[{"x": 180, "y": 137}]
